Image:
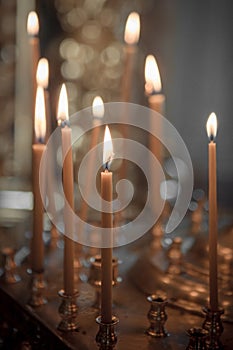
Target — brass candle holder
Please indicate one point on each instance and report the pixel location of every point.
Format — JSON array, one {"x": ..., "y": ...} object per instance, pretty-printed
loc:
[
  {"x": 8, "y": 275},
  {"x": 213, "y": 325},
  {"x": 197, "y": 339},
  {"x": 106, "y": 337},
  {"x": 38, "y": 285},
  {"x": 157, "y": 315},
  {"x": 68, "y": 311},
  {"x": 95, "y": 276}
]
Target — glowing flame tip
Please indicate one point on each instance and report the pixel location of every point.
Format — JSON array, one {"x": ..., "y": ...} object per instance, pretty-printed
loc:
[
  {"x": 40, "y": 118},
  {"x": 132, "y": 28},
  {"x": 211, "y": 126},
  {"x": 32, "y": 23},
  {"x": 152, "y": 76},
  {"x": 62, "y": 111},
  {"x": 98, "y": 107},
  {"x": 42, "y": 73},
  {"x": 108, "y": 148}
]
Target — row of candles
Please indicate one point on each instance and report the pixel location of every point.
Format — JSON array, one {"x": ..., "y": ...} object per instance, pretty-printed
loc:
[{"x": 156, "y": 101}]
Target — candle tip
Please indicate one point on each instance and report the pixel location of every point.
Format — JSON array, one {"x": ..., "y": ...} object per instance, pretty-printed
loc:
[
  {"x": 108, "y": 148},
  {"x": 152, "y": 76},
  {"x": 42, "y": 73},
  {"x": 62, "y": 111},
  {"x": 33, "y": 24},
  {"x": 98, "y": 107},
  {"x": 132, "y": 29},
  {"x": 211, "y": 126},
  {"x": 40, "y": 118}
]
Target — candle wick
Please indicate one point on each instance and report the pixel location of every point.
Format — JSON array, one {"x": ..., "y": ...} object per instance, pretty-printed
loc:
[
  {"x": 106, "y": 166},
  {"x": 64, "y": 123},
  {"x": 41, "y": 140},
  {"x": 211, "y": 138}
]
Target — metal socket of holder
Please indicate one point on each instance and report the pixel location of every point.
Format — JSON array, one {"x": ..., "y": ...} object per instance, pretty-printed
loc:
[{"x": 157, "y": 315}]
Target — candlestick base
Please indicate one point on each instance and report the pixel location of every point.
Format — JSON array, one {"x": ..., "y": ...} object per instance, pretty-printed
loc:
[
  {"x": 213, "y": 325},
  {"x": 68, "y": 311},
  {"x": 157, "y": 315},
  {"x": 106, "y": 337},
  {"x": 38, "y": 286},
  {"x": 95, "y": 275},
  {"x": 8, "y": 275},
  {"x": 197, "y": 339}
]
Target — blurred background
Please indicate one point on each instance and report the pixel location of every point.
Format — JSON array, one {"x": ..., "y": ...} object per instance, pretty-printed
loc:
[{"x": 83, "y": 41}]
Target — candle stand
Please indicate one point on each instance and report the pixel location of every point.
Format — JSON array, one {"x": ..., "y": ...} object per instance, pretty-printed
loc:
[
  {"x": 157, "y": 316},
  {"x": 213, "y": 325},
  {"x": 197, "y": 339},
  {"x": 106, "y": 337},
  {"x": 95, "y": 275},
  {"x": 68, "y": 311},
  {"x": 9, "y": 264},
  {"x": 38, "y": 286}
]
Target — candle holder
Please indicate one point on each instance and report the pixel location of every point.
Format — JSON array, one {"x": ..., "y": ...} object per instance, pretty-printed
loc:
[
  {"x": 106, "y": 337},
  {"x": 38, "y": 286},
  {"x": 197, "y": 339},
  {"x": 157, "y": 315},
  {"x": 213, "y": 325},
  {"x": 95, "y": 276},
  {"x": 68, "y": 311},
  {"x": 175, "y": 256},
  {"x": 8, "y": 274}
]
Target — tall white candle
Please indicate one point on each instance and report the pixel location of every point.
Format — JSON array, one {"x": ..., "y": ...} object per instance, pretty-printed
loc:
[
  {"x": 37, "y": 244},
  {"x": 68, "y": 186},
  {"x": 211, "y": 127}
]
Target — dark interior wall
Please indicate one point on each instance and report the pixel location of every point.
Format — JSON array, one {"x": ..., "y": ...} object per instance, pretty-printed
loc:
[{"x": 192, "y": 41}]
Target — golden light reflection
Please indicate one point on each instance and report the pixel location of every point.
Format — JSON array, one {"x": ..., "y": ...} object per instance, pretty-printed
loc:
[
  {"x": 33, "y": 23},
  {"x": 132, "y": 29}
]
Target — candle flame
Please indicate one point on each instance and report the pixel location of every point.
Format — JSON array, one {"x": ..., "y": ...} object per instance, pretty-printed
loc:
[
  {"x": 62, "y": 111},
  {"x": 32, "y": 23},
  {"x": 132, "y": 28},
  {"x": 152, "y": 76},
  {"x": 108, "y": 148},
  {"x": 42, "y": 73},
  {"x": 40, "y": 118},
  {"x": 98, "y": 107},
  {"x": 211, "y": 126}
]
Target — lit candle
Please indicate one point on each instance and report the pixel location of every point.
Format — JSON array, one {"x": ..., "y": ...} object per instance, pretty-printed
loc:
[
  {"x": 37, "y": 245},
  {"x": 153, "y": 85},
  {"x": 106, "y": 253},
  {"x": 42, "y": 78},
  {"x": 211, "y": 127},
  {"x": 33, "y": 30},
  {"x": 68, "y": 186},
  {"x": 156, "y": 102},
  {"x": 98, "y": 113},
  {"x": 131, "y": 36}
]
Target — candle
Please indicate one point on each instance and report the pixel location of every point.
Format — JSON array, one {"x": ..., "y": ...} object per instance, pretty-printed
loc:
[
  {"x": 131, "y": 36},
  {"x": 33, "y": 30},
  {"x": 42, "y": 78},
  {"x": 68, "y": 184},
  {"x": 156, "y": 100},
  {"x": 98, "y": 113},
  {"x": 211, "y": 127},
  {"x": 106, "y": 253},
  {"x": 153, "y": 85},
  {"x": 37, "y": 245}
]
